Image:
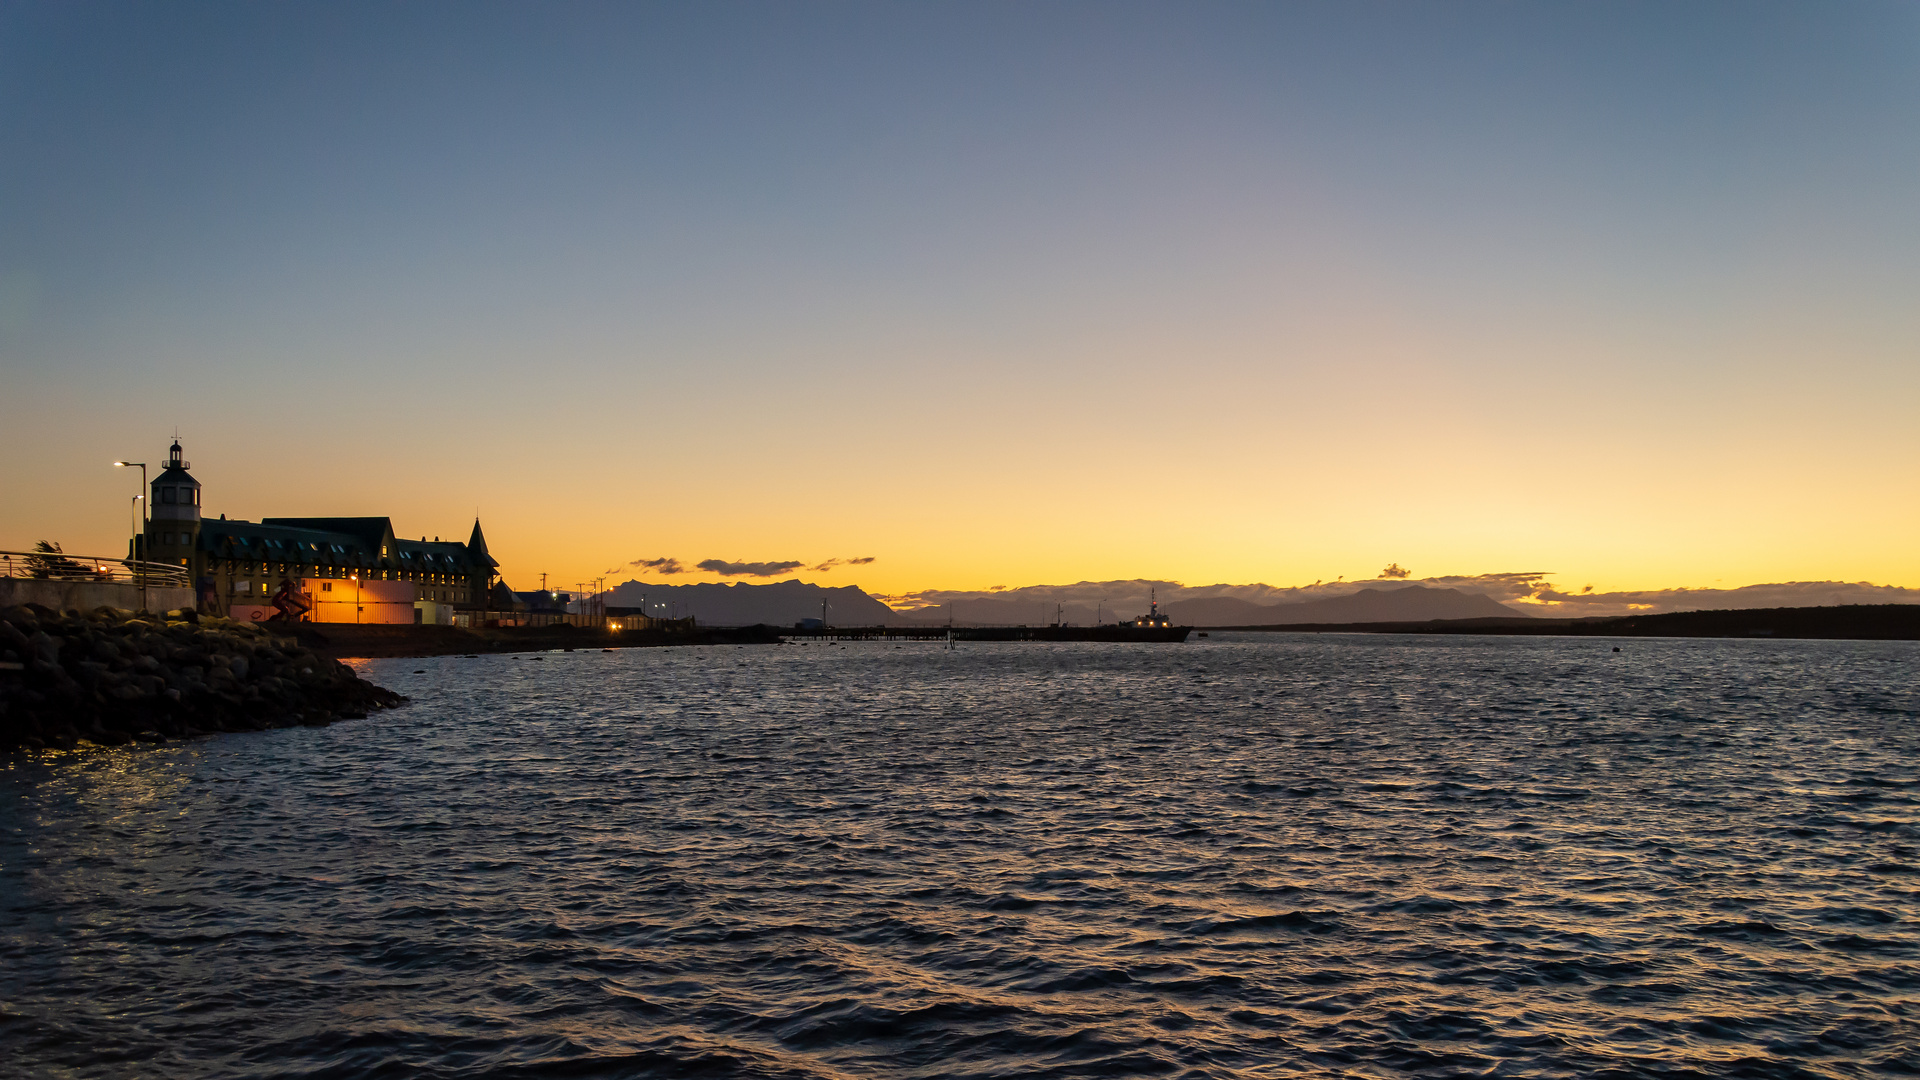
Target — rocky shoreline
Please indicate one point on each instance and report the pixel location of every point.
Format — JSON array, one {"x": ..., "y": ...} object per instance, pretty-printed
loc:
[{"x": 112, "y": 676}]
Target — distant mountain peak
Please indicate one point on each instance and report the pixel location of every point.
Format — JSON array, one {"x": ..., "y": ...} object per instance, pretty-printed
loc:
[{"x": 741, "y": 603}]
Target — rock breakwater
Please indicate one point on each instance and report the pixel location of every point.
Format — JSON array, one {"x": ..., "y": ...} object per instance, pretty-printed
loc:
[{"x": 112, "y": 676}]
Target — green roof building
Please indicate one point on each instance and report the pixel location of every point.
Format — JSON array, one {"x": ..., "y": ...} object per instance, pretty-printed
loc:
[{"x": 347, "y": 569}]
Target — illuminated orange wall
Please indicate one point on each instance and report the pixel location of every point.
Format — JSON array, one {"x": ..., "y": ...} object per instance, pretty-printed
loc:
[{"x": 338, "y": 601}]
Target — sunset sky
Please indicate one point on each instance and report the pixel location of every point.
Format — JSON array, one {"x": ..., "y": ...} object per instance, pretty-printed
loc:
[{"x": 992, "y": 294}]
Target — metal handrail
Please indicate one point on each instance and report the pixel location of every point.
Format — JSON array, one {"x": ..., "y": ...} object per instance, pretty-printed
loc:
[{"x": 60, "y": 566}]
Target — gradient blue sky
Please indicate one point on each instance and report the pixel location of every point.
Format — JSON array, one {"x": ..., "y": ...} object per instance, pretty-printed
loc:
[{"x": 999, "y": 294}]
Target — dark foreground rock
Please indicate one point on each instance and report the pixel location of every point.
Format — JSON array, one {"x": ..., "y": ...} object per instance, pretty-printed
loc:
[{"x": 110, "y": 676}]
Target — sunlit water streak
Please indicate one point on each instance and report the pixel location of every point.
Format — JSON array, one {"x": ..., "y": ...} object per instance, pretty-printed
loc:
[{"x": 1251, "y": 856}]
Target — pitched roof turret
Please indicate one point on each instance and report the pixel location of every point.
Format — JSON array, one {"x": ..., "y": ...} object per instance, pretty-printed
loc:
[{"x": 477, "y": 546}]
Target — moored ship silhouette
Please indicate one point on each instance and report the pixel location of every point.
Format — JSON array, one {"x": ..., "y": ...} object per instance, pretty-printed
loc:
[{"x": 1153, "y": 617}]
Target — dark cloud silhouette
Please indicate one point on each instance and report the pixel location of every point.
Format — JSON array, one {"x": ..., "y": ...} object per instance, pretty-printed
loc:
[
  {"x": 831, "y": 563},
  {"x": 749, "y": 569},
  {"x": 1394, "y": 572},
  {"x": 659, "y": 566}
]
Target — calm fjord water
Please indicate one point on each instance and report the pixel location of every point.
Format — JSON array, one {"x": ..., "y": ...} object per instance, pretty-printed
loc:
[{"x": 1251, "y": 856}]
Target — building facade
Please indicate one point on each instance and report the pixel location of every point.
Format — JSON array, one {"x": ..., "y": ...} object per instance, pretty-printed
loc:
[{"x": 313, "y": 569}]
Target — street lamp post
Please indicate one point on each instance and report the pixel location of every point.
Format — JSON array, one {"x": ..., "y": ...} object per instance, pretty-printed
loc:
[
  {"x": 142, "y": 466},
  {"x": 139, "y": 572},
  {"x": 137, "y": 553}
]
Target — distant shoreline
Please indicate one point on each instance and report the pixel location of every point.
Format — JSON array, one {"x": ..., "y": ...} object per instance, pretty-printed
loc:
[
  {"x": 352, "y": 641},
  {"x": 1852, "y": 622},
  {"x": 1876, "y": 622}
]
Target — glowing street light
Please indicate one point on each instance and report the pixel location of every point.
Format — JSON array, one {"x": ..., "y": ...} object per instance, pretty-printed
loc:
[{"x": 142, "y": 466}]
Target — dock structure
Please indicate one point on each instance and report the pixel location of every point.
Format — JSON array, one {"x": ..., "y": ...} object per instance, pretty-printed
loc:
[{"x": 1122, "y": 632}]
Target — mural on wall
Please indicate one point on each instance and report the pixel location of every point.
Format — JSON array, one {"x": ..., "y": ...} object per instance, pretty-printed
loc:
[{"x": 289, "y": 603}]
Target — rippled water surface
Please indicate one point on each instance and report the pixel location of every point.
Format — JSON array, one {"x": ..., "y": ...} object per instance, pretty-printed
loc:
[{"x": 1249, "y": 856}]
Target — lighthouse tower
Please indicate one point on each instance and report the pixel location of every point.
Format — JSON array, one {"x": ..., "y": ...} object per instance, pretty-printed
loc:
[{"x": 174, "y": 508}]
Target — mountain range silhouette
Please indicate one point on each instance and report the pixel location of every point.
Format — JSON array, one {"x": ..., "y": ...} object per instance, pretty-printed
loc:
[
  {"x": 784, "y": 603},
  {"x": 1399, "y": 603},
  {"x": 781, "y": 603}
]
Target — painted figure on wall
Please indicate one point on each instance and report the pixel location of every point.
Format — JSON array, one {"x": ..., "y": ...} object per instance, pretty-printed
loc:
[{"x": 289, "y": 604}]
